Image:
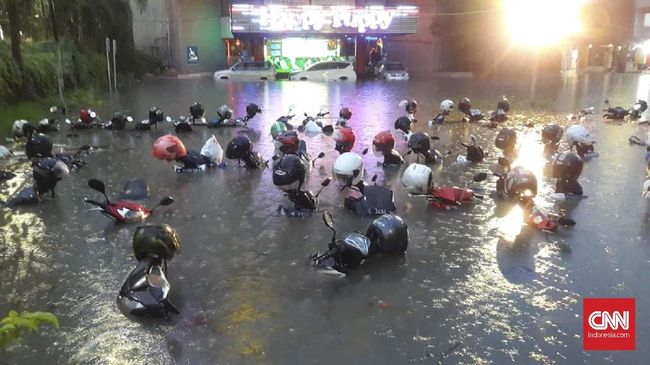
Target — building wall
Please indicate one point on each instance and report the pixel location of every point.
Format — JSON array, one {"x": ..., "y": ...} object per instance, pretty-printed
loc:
[
  {"x": 196, "y": 23},
  {"x": 150, "y": 29},
  {"x": 641, "y": 32}
]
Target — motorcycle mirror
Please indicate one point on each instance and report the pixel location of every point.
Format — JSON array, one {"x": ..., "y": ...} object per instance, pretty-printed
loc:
[
  {"x": 481, "y": 176},
  {"x": 374, "y": 179},
  {"x": 68, "y": 121},
  {"x": 329, "y": 222},
  {"x": 291, "y": 108},
  {"x": 93, "y": 115},
  {"x": 99, "y": 186},
  {"x": 321, "y": 155},
  {"x": 364, "y": 151},
  {"x": 53, "y": 109},
  {"x": 129, "y": 119},
  {"x": 326, "y": 182},
  {"x": 435, "y": 138},
  {"x": 168, "y": 119},
  {"x": 166, "y": 201}
]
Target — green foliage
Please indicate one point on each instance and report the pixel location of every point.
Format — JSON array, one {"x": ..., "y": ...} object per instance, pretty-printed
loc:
[{"x": 14, "y": 325}]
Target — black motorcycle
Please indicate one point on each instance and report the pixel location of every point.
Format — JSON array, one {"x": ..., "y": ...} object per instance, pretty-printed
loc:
[
  {"x": 145, "y": 291},
  {"x": 369, "y": 200},
  {"x": 387, "y": 234}
]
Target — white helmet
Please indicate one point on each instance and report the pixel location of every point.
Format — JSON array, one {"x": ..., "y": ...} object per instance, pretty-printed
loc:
[
  {"x": 212, "y": 150},
  {"x": 43, "y": 122},
  {"x": 17, "y": 129},
  {"x": 645, "y": 192},
  {"x": 417, "y": 179},
  {"x": 647, "y": 139},
  {"x": 345, "y": 168},
  {"x": 447, "y": 105},
  {"x": 312, "y": 127},
  {"x": 577, "y": 134}
]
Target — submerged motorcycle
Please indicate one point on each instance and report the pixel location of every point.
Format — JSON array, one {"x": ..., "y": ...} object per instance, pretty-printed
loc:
[
  {"x": 314, "y": 125},
  {"x": 156, "y": 115},
  {"x": 225, "y": 117},
  {"x": 145, "y": 291},
  {"x": 387, "y": 234},
  {"x": 124, "y": 210},
  {"x": 289, "y": 174},
  {"x": 418, "y": 180}
]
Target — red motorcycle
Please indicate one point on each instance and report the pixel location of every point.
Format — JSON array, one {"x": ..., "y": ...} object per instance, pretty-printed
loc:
[
  {"x": 122, "y": 211},
  {"x": 447, "y": 197}
]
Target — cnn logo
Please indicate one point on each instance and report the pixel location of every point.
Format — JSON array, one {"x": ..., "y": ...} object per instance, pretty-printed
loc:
[
  {"x": 608, "y": 323},
  {"x": 600, "y": 320}
]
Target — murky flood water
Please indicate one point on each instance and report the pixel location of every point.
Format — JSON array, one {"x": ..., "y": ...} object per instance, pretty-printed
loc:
[{"x": 466, "y": 292}]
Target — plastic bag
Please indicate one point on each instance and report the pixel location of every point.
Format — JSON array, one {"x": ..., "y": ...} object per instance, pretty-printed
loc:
[{"x": 212, "y": 150}]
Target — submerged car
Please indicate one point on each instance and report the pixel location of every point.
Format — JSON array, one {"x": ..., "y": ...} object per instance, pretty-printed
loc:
[
  {"x": 327, "y": 71},
  {"x": 392, "y": 71},
  {"x": 248, "y": 70}
]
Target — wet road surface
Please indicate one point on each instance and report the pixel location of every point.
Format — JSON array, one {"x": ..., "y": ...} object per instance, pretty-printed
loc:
[{"x": 467, "y": 290}]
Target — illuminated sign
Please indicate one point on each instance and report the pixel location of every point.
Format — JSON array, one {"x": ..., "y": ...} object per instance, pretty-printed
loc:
[{"x": 321, "y": 19}]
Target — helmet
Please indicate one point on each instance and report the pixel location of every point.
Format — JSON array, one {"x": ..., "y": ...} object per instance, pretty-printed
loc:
[
  {"x": 506, "y": 139},
  {"x": 345, "y": 166},
  {"x": 420, "y": 142},
  {"x": 403, "y": 124},
  {"x": 388, "y": 234},
  {"x": 577, "y": 134},
  {"x": 224, "y": 112},
  {"x": 289, "y": 143},
  {"x": 196, "y": 110},
  {"x": 156, "y": 115},
  {"x": 289, "y": 173},
  {"x": 567, "y": 166},
  {"x": 277, "y": 128},
  {"x": 504, "y": 104},
  {"x": 642, "y": 105},
  {"x": 86, "y": 115},
  {"x": 252, "y": 109},
  {"x": 447, "y": 105},
  {"x": 169, "y": 148},
  {"x": 411, "y": 106},
  {"x": 551, "y": 134},
  {"x": 239, "y": 147},
  {"x": 475, "y": 153},
  {"x": 344, "y": 138},
  {"x": 313, "y": 127},
  {"x": 345, "y": 113},
  {"x": 39, "y": 145},
  {"x": 520, "y": 183},
  {"x": 464, "y": 105},
  {"x": 53, "y": 167},
  {"x": 17, "y": 129},
  {"x": 417, "y": 179},
  {"x": 383, "y": 142},
  {"x": 160, "y": 240}
]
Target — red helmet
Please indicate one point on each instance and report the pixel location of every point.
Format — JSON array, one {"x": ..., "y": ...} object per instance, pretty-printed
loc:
[
  {"x": 86, "y": 115},
  {"x": 384, "y": 142},
  {"x": 168, "y": 148},
  {"x": 344, "y": 138},
  {"x": 345, "y": 113},
  {"x": 289, "y": 142}
]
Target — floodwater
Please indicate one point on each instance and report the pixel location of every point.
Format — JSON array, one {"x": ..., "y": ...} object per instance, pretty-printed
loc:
[{"x": 474, "y": 287}]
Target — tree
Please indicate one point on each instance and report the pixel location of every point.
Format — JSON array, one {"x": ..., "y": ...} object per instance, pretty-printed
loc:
[{"x": 15, "y": 15}]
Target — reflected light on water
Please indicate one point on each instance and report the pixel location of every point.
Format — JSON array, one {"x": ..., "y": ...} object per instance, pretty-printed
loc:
[{"x": 510, "y": 225}]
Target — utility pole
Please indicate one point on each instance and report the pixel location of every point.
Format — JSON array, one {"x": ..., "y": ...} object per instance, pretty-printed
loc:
[{"x": 59, "y": 68}]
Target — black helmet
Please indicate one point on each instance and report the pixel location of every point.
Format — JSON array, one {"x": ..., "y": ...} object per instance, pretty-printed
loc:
[
  {"x": 506, "y": 139},
  {"x": 403, "y": 124},
  {"x": 420, "y": 143},
  {"x": 643, "y": 105},
  {"x": 289, "y": 172},
  {"x": 252, "y": 110},
  {"x": 464, "y": 105},
  {"x": 196, "y": 110},
  {"x": 520, "y": 183},
  {"x": 504, "y": 104},
  {"x": 159, "y": 240},
  {"x": 411, "y": 106},
  {"x": 224, "y": 112},
  {"x": 567, "y": 166},
  {"x": 388, "y": 234},
  {"x": 156, "y": 115},
  {"x": 239, "y": 148},
  {"x": 475, "y": 153},
  {"x": 51, "y": 167},
  {"x": 39, "y": 145},
  {"x": 552, "y": 134}
]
